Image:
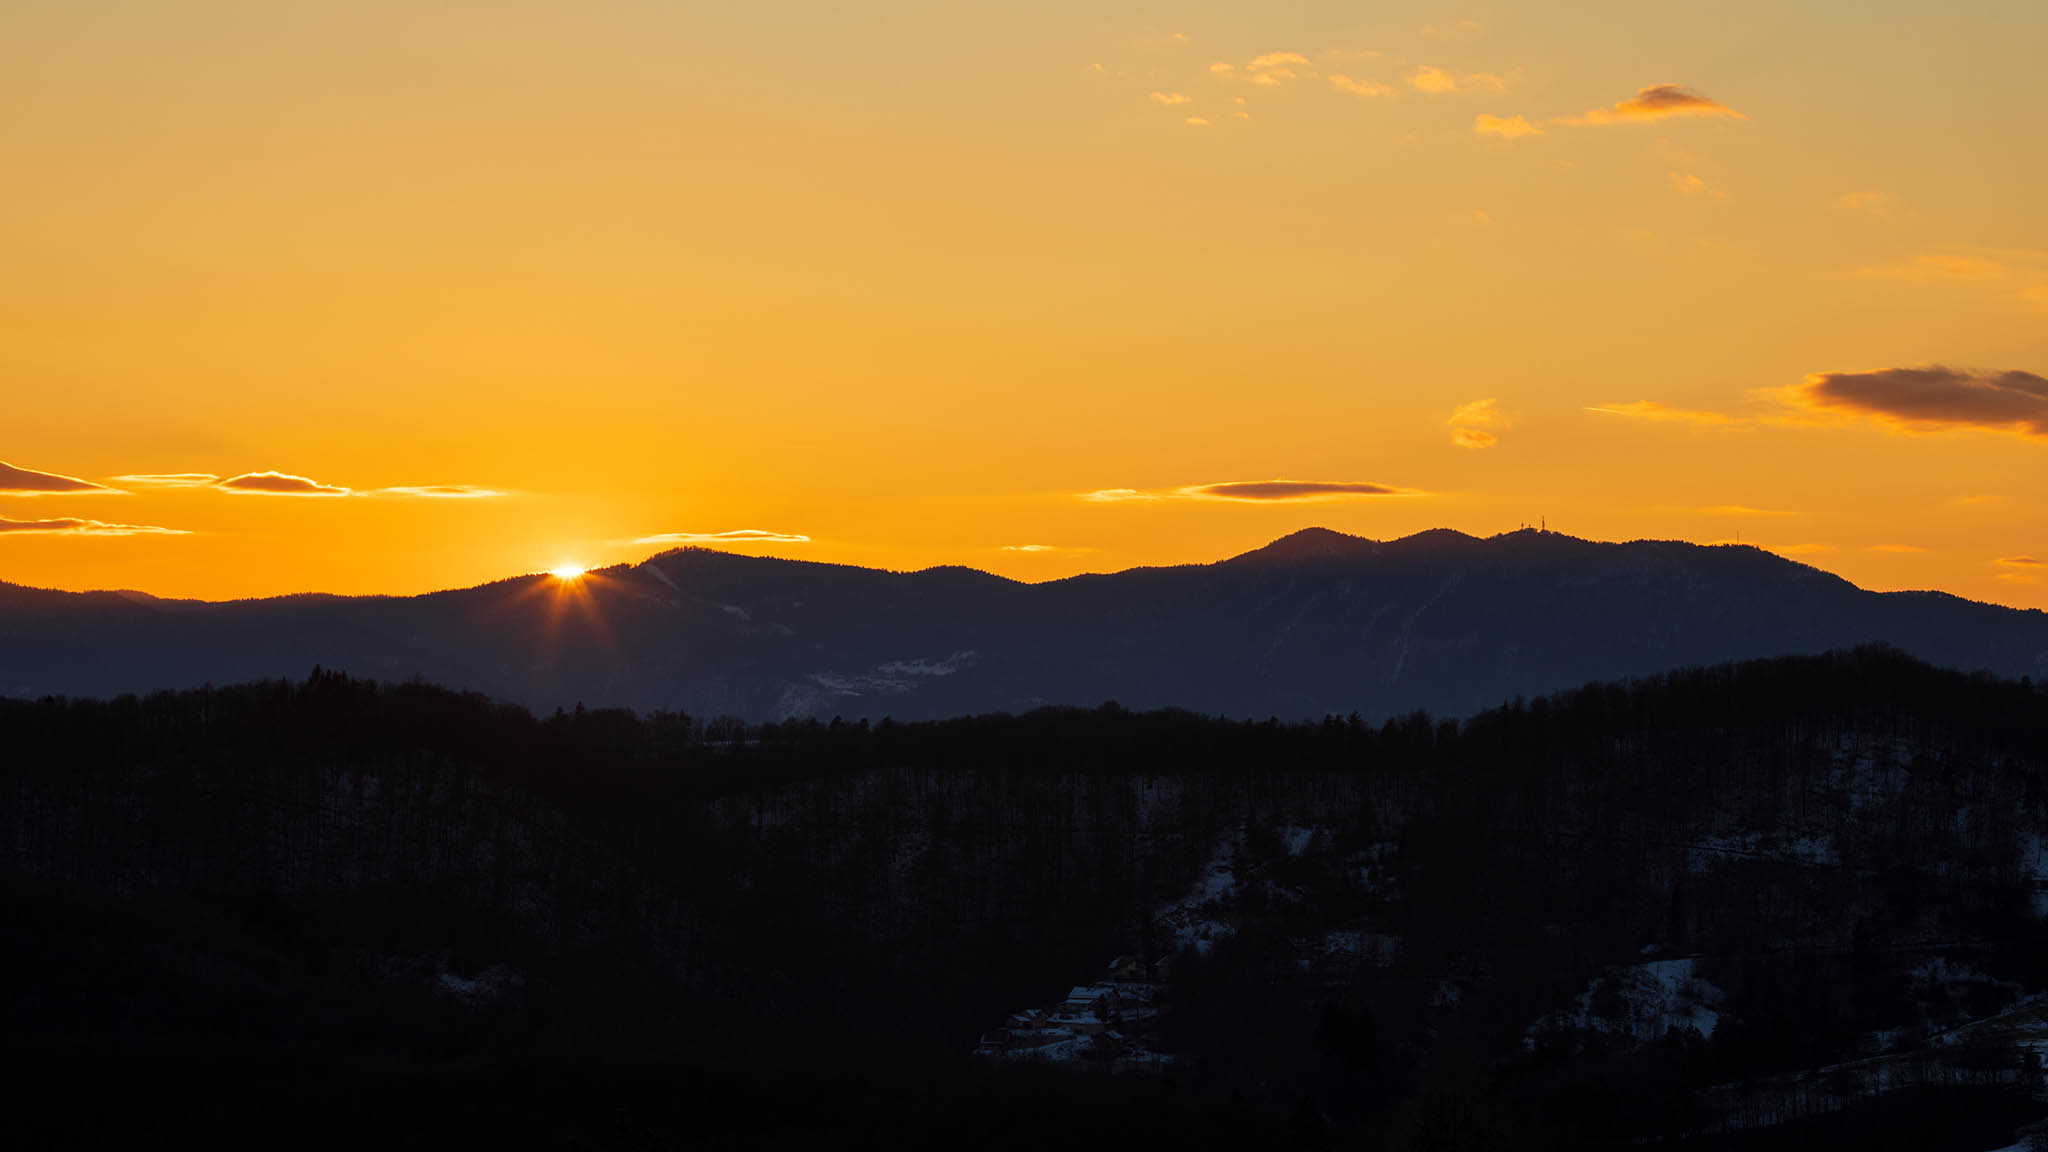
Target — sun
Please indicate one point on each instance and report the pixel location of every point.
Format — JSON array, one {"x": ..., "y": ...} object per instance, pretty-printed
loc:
[{"x": 567, "y": 572}]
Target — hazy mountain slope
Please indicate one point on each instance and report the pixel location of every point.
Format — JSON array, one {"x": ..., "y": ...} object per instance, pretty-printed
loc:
[{"x": 1317, "y": 622}]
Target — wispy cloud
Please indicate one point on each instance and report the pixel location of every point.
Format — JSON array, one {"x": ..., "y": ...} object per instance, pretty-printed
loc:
[
  {"x": 1657, "y": 102},
  {"x": 169, "y": 480},
  {"x": 1041, "y": 549},
  {"x": 2022, "y": 272},
  {"x": 279, "y": 484},
  {"x": 28, "y": 482},
  {"x": 739, "y": 536},
  {"x": 1665, "y": 414},
  {"x": 1869, "y": 204},
  {"x": 1254, "y": 491},
  {"x": 1198, "y": 121},
  {"x": 70, "y": 526},
  {"x": 1689, "y": 184},
  {"x": 441, "y": 492},
  {"x": 1932, "y": 399},
  {"x": 1170, "y": 99},
  {"x": 1746, "y": 510},
  {"x": 1470, "y": 423},
  {"x": 1506, "y": 127},
  {"x": 1439, "y": 81},
  {"x": 1363, "y": 88},
  {"x": 2022, "y": 561}
]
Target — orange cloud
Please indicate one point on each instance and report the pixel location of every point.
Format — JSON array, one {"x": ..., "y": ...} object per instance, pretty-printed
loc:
[
  {"x": 1437, "y": 81},
  {"x": 740, "y": 536},
  {"x": 2022, "y": 561},
  {"x": 279, "y": 484},
  {"x": 1367, "y": 88},
  {"x": 76, "y": 527},
  {"x": 1657, "y": 102},
  {"x": 1932, "y": 399},
  {"x": 1509, "y": 128},
  {"x": 28, "y": 482},
  {"x": 1690, "y": 185},
  {"x": 171, "y": 479},
  {"x": 1469, "y": 421},
  {"x": 1169, "y": 99},
  {"x": 1665, "y": 414},
  {"x": 441, "y": 492},
  {"x": 1870, "y": 204}
]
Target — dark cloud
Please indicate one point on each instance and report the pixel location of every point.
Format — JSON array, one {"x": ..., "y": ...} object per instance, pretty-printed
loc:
[
  {"x": 1657, "y": 102},
  {"x": 280, "y": 484},
  {"x": 1252, "y": 490},
  {"x": 1934, "y": 397},
  {"x": 1294, "y": 490},
  {"x": 75, "y": 527},
  {"x": 26, "y": 482},
  {"x": 2022, "y": 561}
]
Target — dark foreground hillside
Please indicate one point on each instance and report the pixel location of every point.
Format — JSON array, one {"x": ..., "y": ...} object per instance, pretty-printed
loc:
[{"x": 1794, "y": 902}]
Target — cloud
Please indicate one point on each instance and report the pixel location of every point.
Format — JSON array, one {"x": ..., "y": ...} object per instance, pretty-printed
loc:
[
  {"x": 1256, "y": 490},
  {"x": 27, "y": 482},
  {"x": 1198, "y": 121},
  {"x": 1657, "y": 102},
  {"x": 1437, "y": 81},
  {"x": 1251, "y": 491},
  {"x": 2022, "y": 561},
  {"x": 76, "y": 527},
  {"x": 1469, "y": 421},
  {"x": 1870, "y": 204},
  {"x": 1933, "y": 267},
  {"x": 1169, "y": 99},
  {"x": 1274, "y": 61},
  {"x": 279, "y": 484},
  {"x": 1932, "y": 399},
  {"x": 1268, "y": 69},
  {"x": 1508, "y": 128},
  {"x": 1690, "y": 185},
  {"x": 740, "y": 536},
  {"x": 2023, "y": 272},
  {"x": 1040, "y": 549},
  {"x": 1366, "y": 88},
  {"x": 170, "y": 479},
  {"x": 1665, "y": 414},
  {"x": 440, "y": 492}
]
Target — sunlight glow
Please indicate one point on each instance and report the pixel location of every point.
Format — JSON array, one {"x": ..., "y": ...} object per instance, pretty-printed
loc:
[{"x": 567, "y": 572}]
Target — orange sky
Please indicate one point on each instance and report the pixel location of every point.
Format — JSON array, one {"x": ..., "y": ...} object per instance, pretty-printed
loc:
[{"x": 905, "y": 284}]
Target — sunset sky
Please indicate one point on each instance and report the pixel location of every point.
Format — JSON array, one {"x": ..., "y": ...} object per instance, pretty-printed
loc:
[{"x": 387, "y": 297}]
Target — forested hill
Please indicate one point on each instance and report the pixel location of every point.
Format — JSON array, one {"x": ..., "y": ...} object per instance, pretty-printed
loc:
[
  {"x": 1315, "y": 623},
  {"x": 1789, "y": 902}
]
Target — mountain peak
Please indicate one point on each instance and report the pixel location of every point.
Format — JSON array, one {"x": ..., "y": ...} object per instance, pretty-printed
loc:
[{"x": 1307, "y": 544}]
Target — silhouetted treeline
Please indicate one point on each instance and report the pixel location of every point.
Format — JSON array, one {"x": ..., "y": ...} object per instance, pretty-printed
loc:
[{"x": 541, "y": 926}]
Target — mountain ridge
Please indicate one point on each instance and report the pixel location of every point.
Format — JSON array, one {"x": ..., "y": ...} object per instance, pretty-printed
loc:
[{"x": 1316, "y": 622}]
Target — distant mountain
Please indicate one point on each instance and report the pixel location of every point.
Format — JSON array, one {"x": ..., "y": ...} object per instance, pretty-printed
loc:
[{"x": 1314, "y": 623}]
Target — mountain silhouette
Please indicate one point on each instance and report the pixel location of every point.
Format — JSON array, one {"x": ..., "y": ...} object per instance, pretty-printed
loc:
[{"x": 1314, "y": 623}]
